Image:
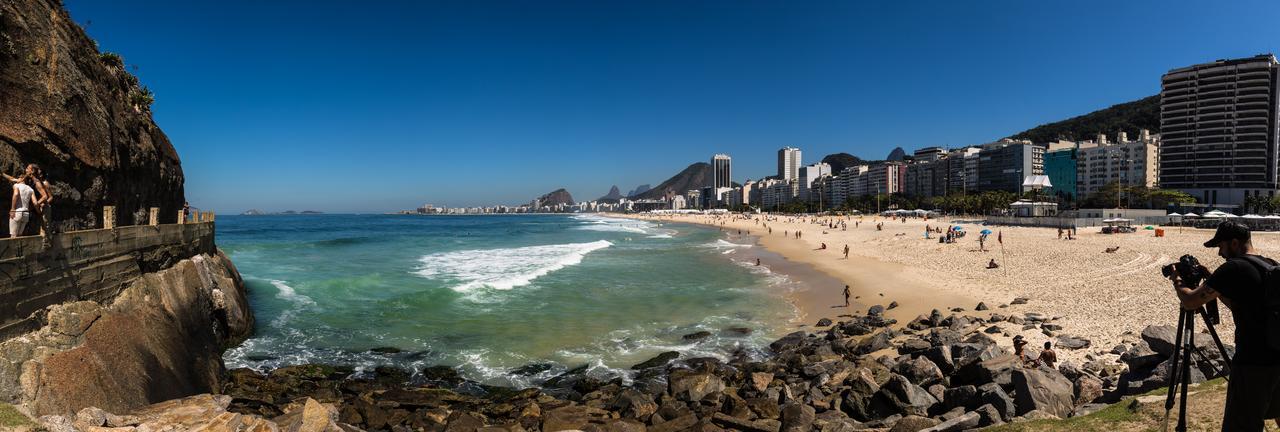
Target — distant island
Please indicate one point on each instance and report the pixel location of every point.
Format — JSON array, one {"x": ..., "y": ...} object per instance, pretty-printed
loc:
[{"x": 256, "y": 212}]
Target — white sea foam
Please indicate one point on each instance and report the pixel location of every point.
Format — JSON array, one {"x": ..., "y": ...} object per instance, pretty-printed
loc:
[
  {"x": 608, "y": 224},
  {"x": 503, "y": 269},
  {"x": 287, "y": 293},
  {"x": 723, "y": 244}
]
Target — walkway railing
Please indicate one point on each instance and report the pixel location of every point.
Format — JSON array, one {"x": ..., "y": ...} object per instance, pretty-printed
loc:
[{"x": 96, "y": 264}]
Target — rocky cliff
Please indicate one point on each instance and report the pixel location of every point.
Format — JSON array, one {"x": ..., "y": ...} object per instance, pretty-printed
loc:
[
  {"x": 83, "y": 118},
  {"x": 161, "y": 338},
  {"x": 556, "y": 197}
]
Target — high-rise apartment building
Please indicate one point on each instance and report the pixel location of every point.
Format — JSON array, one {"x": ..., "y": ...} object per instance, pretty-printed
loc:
[
  {"x": 1129, "y": 163},
  {"x": 809, "y": 174},
  {"x": 1003, "y": 165},
  {"x": 789, "y": 163},
  {"x": 721, "y": 171},
  {"x": 1218, "y": 129}
]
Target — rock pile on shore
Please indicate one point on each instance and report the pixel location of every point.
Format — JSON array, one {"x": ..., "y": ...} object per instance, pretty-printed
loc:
[{"x": 935, "y": 374}]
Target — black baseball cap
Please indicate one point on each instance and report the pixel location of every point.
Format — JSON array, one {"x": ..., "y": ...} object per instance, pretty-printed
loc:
[{"x": 1228, "y": 231}]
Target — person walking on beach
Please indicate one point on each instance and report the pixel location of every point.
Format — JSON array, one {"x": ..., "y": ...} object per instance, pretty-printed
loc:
[
  {"x": 846, "y": 296},
  {"x": 20, "y": 206},
  {"x": 846, "y": 251}
]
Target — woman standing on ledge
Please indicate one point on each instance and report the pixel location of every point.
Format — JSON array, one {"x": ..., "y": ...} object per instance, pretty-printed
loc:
[
  {"x": 20, "y": 208},
  {"x": 41, "y": 207}
]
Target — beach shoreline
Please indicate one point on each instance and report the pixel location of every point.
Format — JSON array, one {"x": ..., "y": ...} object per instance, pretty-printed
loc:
[{"x": 1105, "y": 298}]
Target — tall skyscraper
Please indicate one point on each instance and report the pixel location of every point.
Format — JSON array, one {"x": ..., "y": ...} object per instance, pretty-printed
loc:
[
  {"x": 1218, "y": 130},
  {"x": 789, "y": 163},
  {"x": 721, "y": 171}
]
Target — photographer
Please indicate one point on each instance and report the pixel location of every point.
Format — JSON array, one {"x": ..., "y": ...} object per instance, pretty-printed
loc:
[{"x": 1253, "y": 393}]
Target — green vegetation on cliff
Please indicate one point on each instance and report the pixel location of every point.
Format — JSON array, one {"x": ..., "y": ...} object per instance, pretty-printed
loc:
[{"x": 1129, "y": 117}]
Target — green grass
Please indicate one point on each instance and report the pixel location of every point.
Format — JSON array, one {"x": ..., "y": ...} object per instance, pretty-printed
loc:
[
  {"x": 1120, "y": 416},
  {"x": 11, "y": 418}
]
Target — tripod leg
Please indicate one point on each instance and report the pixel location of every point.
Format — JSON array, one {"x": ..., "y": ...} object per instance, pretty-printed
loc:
[
  {"x": 1186, "y": 372},
  {"x": 1173, "y": 366},
  {"x": 1222, "y": 349}
]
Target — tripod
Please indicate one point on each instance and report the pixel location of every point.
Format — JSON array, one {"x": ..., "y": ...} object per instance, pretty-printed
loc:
[{"x": 1180, "y": 367}]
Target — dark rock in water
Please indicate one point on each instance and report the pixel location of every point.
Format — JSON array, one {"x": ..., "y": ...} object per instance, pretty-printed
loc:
[
  {"x": 390, "y": 374},
  {"x": 441, "y": 374},
  {"x": 385, "y": 350},
  {"x": 696, "y": 336},
  {"x": 789, "y": 341},
  {"x": 825, "y": 322},
  {"x": 419, "y": 355},
  {"x": 532, "y": 369},
  {"x": 659, "y": 360},
  {"x": 798, "y": 418},
  {"x": 981, "y": 307},
  {"x": 737, "y": 331},
  {"x": 1071, "y": 342},
  {"x": 260, "y": 357},
  {"x": 1020, "y": 300},
  {"x": 893, "y": 305},
  {"x": 1043, "y": 390},
  {"x": 875, "y": 310}
]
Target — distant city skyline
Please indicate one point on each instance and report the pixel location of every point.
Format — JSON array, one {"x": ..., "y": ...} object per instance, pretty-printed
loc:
[{"x": 341, "y": 108}]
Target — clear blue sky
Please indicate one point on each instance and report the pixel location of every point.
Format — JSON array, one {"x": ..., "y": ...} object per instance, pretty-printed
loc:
[{"x": 345, "y": 106}]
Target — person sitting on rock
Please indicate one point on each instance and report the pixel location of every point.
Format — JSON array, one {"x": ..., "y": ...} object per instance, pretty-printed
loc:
[
  {"x": 1048, "y": 357},
  {"x": 1018, "y": 344}
]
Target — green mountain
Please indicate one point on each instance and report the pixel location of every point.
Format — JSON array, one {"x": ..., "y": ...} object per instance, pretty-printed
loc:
[
  {"x": 840, "y": 161},
  {"x": 1129, "y": 117},
  {"x": 695, "y": 176}
]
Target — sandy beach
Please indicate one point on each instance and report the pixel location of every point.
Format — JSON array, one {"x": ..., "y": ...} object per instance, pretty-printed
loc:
[{"x": 1104, "y": 297}]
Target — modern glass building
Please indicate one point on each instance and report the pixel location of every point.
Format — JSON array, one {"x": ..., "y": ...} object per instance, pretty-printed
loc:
[{"x": 1060, "y": 166}]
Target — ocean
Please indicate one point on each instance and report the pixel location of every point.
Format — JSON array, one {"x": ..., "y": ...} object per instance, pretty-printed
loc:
[{"x": 490, "y": 294}]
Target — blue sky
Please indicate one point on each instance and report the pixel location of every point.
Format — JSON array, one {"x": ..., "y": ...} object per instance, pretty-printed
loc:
[{"x": 347, "y": 107}]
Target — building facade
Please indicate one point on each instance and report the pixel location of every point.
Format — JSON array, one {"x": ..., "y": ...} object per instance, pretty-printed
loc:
[
  {"x": 721, "y": 171},
  {"x": 1218, "y": 124},
  {"x": 1129, "y": 163},
  {"x": 789, "y": 163},
  {"x": 1001, "y": 166},
  {"x": 809, "y": 174}
]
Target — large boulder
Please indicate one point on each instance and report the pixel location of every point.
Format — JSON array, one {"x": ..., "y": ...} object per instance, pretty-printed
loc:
[
  {"x": 1043, "y": 390},
  {"x": 900, "y": 396},
  {"x": 920, "y": 371},
  {"x": 798, "y": 417},
  {"x": 692, "y": 386}
]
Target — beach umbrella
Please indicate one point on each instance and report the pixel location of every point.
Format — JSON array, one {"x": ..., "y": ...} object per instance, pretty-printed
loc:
[
  {"x": 985, "y": 231},
  {"x": 1191, "y": 215},
  {"x": 1149, "y": 227},
  {"x": 1173, "y": 214}
]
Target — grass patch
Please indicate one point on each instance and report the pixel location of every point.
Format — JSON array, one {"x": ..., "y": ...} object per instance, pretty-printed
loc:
[
  {"x": 10, "y": 417},
  {"x": 1127, "y": 415}
]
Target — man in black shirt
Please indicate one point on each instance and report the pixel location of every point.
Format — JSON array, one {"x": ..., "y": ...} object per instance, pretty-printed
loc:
[{"x": 1253, "y": 393}]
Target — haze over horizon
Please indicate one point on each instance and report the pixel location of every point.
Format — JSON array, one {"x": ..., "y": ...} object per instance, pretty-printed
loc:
[{"x": 340, "y": 107}]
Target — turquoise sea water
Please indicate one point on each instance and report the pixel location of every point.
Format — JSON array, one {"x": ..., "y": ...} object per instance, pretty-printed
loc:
[{"x": 492, "y": 293}]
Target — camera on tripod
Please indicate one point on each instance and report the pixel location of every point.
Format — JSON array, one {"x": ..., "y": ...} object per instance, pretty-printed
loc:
[{"x": 1191, "y": 272}]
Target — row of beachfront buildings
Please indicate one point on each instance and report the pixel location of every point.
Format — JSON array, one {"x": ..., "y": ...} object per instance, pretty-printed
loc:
[{"x": 1218, "y": 143}]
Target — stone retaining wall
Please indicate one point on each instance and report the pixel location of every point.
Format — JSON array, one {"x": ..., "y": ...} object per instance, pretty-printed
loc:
[{"x": 90, "y": 265}]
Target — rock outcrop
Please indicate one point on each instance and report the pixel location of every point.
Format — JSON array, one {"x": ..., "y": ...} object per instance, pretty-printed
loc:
[
  {"x": 695, "y": 176},
  {"x": 555, "y": 198},
  {"x": 83, "y": 118},
  {"x": 612, "y": 197},
  {"x": 161, "y": 338}
]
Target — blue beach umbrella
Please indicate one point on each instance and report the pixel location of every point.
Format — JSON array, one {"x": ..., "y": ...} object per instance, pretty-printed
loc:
[{"x": 985, "y": 231}]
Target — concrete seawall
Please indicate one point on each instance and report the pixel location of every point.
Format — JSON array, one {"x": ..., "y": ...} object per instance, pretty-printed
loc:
[
  {"x": 90, "y": 265},
  {"x": 116, "y": 318}
]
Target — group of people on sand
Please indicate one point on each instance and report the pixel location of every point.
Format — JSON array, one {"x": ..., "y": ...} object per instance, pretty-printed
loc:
[
  {"x": 1069, "y": 231},
  {"x": 30, "y": 201}
]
